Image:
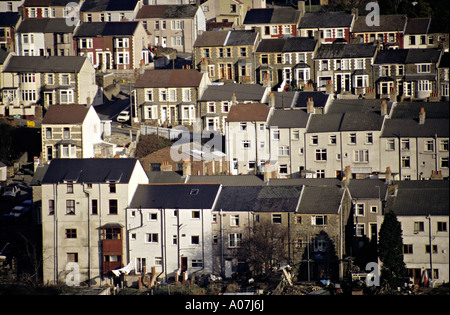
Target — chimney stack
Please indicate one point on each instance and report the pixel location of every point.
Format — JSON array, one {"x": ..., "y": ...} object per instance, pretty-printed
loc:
[
  {"x": 348, "y": 172},
  {"x": 422, "y": 116},
  {"x": 383, "y": 108},
  {"x": 310, "y": 105},
  {"x": 233, "y": 99},
  {"x": 166, "y": 167},
  {"x": 266, "y": 80},
  {"x": 388, "y": 175},
  {"x": 271, "y": 99},
  {"x": 187, "y": 168}
]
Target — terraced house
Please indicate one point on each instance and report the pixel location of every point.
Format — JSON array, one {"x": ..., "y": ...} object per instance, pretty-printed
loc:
[
  {"x": 227, "y": 56},
  {"x": 286, "y": 62},
  {"x": 58, "y": 79},
  {"x": 169, "y": 97},
  {"x": 113, "y": 45}
]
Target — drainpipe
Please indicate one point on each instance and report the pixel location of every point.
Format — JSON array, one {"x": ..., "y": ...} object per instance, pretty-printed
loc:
[
  {"x": 221, "y": 244},
  {"x": 431, "y": 248},
  {"x": 55, "y": 232},
  {"x": 163, "y": 240},
  {"x": 89, "y": 233}
]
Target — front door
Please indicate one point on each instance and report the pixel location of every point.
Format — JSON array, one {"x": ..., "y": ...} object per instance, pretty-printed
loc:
[{"x": 184, "y": 264}]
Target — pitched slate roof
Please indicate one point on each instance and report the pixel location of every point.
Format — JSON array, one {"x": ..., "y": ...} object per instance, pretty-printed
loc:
[
  {"x": 324, "y": 123},
  {"x": 43, "y": 64},
  {"x": 367, "y": 188},
  {"x": 339, "y": 50},
  {"x": 175, "y": 196},
  {"x": 226, "y": 38},
  {"x": 65, "y": 114},
  {"x": 45, "y": 25},
  {"x": 411, "y": 110},
  {"x": 349, "y": 121},
  {"x": 89, "y": 170},
  {"x": 313, "y": 201},
  {"x": 277, "y": 199},
  {"x": 430, "y": 55},
  {"x": 248, "y": 112},
  {"x": 272, "y": 16},
  {"x": 290, "y": 118},
  {"x": 320, "y": 99},
  {"x": 243, "y": 92},
  {"x": 98, "y": 29},
  {"x": 9, "y": 18},
  {"x": 226, "y": 180},
  {"x": 362, "y": 106},
  {"x": 420, "y": 198},
  {"x": 167, "y": 11},
  {"x": 169, "y": 78},
  {"x": 418, "y": 26},
  {"x": 388, "y": 23},
  {"x": 46, "y": 3},
  {"x": 108, "y": 5},
  {"x": 326, "y": 20},
  {"x": 287, "y": 44},
  {"x": 238, "y": 198},
  {"x": 391, "y": 56}
]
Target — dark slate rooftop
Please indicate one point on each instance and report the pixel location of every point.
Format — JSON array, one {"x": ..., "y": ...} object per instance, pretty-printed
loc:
[
  {"x": 278, "y": 199},
  {"x": 45, "y": 25},
  {"x": 45, "y": 64},
  {"x": 349, "y": 121},
  {"x": 363, "y": 106},
  {"x": 287, "y": 44},
  {"x": 341, "y": 50},
  {"x": 367, "y": 188},
  {"x": 108, "y": 5},
  {"x": 88, "y": 170},
  {"x": 243, "y": 92},
  {"x": 388, "y": 23},
  {"x": 277, "y": 15},
  {"x": 320, "y": 99},
  {"x": 258, "y": 16},
  {"x": 391, "y": 56},
  {"x": 326, "y": 20},
  {"x": 324, "y": 123},
  {"x": 289, "y": 118},
  {"x": 418, "y": 26},
  {"x": 98, "y": 29},
  {"x": 238, "y": 198},
  {"x": 9, "y": 18},
  {"x": 313, "y": 201},
  {"x": 175, "y": 196},
  {"x": 411, "y": 128},
  {"x": 167, "y": 11},
  {"x": 226, "y": 180},
  {"x": 411, "y": 110},
  {"x": 420, "y": 198},
  {"x": 430, "y": 55}
]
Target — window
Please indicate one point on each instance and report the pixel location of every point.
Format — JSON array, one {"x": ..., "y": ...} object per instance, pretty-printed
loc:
[
  {"x": 225, "y": 107},
  {"x": 186, "y": 94},
  {"x": 48, "y": 133},
  {"x": 71, "y": 233},
  {"x": 320, "y": 173},
  {"x": 113, "y": 206},
  {"x": 429, "y": 145},
  {"x": 112, "y": 187},
  {"x": 243, "y": 126},
  {"x": 122, "y": 42},
  {"x": 174, "y": 240},
  {"x": 51, "y": 207},
  {"x": 276, "y": 218},
  {"x": 332, "y": 140},
  {"x": 243, "y": 52},
  {"x": 195, "y": 240},
  {"x": 66, "y": 133},
  {"x": 27, "y": 78},
  {"x": 172, "y": 95},
  {"x": 319, "y": 220},
  {"x": 212, "y": 108},
  {"x": 177, "y": 41},
  {"x": 369, "y": 138},
  {"x": 283, "y": 150},
  {"x": 444, "y": 162},
  {"x": 195, "y": 214},
  {"x": 158, "y": 261},
  {"x": 264, "y": 59},
  {"x": 359, "y": 64},
  {"x": 205, "y": 53},
  {"x": 197, "y": 263},
  {"x": 246, "y": 144},
  {"x": 361, "y": 156},
  {"x": 295, "y": 135},
  {"x": 406, "y": 161},
  {"x": 152, "y": 216},
  {"x": 283, "y": 169},
  {"x": 163, "y": 95},
  {"x": 443, "y": 145},
  {"x": 65, "y": 79},
  {"x": 94, "y": 206},
  {"x": 70, "y": 207},
  {"x": 123, "y": 58},
  {"x": 177, "y": 25},
  {"x": 442, "y": 226},
  {"x": 286, "y": 29},
  {"x": 72, "y": 257},
  {"x": 419, "y": 227},
  {"x": 274, "y": 30},
  {"x": 66, "y": 96},
  {"x": 234, "y": 220},
  {"x": 321, "y": 154},
  {"x": 151, "y": 237},
  {"x": 70, "y": 188},
  {"x": 352, "y": 138},
  {"x": 314, "y": 140},
  {"x": 405, "y": 144},
  {"x": 276, "y": 135},
  {"x": 423, "y": 68},
  {"x": 390, "y": 145},
  {"x": 424, "y": 85},
  {"x": 234, "y": 240},
  {"x": 298, "y": 219},
  {"x": 434, "y": 248},
  {"x": 359, "y": 209},
  {"x": 85, "y": 43},
  {"x": 359, "y": 229},
  {"x": 407, "y": 249}
]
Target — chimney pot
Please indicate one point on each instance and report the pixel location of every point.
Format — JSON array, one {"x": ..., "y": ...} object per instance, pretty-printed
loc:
[{"x": 422, "y": 116}]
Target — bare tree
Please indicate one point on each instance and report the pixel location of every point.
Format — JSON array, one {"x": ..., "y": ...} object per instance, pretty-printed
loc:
[{"x": 264, "y": 246}]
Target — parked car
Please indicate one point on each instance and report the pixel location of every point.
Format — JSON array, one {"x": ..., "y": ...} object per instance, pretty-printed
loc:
[
  {"x": 11, "y": 192},
  {"x": 17, "y": 212},
  {"x": 124, "y": 116}
]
